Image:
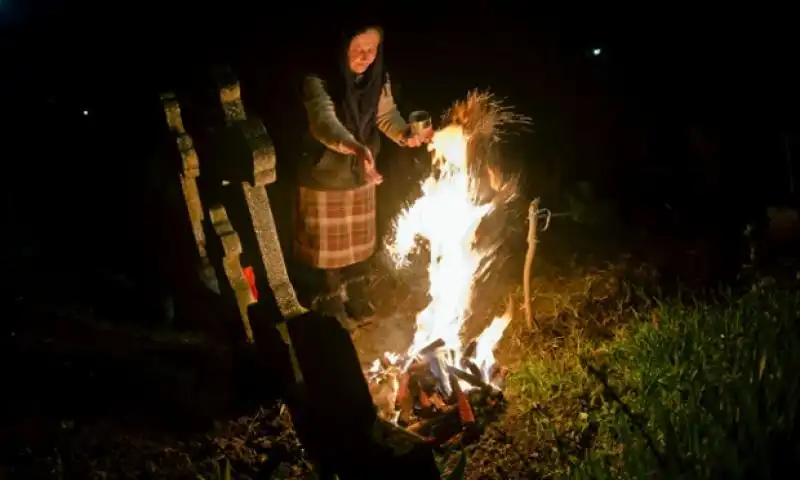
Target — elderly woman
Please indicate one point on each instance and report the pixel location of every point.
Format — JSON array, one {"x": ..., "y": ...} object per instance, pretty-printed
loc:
[{"x": 347, "y": 105}]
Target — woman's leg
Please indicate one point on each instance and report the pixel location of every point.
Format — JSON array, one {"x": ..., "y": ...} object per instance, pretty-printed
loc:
[
  {"x": 330, "y": 300},
  {"x": 322, "y": 291},
  {"x": 356, "y": 280}
]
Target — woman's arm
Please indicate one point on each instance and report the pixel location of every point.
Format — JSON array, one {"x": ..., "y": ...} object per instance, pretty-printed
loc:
[
  {"x": 390, "y": 122},
  {"x": 322, "y": 120}
]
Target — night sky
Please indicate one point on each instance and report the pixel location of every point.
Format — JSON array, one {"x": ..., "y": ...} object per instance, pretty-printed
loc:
[{"x": 82, "y": 83}]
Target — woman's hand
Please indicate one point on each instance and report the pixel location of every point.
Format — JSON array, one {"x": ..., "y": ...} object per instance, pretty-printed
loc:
[
  {"x": 365, "y": 163},
  {"x": 365, "y": 158},
  {"x": 414, "y": 140}
]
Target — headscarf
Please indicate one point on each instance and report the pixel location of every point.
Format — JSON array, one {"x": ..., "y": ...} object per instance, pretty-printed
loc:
[{"x": 355, "y": 96}]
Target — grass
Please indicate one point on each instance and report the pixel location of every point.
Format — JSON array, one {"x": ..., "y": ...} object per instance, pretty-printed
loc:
[{"x": 683, "y": 388}]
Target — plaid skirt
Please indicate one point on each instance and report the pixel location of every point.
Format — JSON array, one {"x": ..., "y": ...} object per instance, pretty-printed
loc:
[{"x": 335, "y": 228}]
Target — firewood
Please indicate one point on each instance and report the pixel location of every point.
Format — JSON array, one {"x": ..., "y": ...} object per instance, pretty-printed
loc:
[
  {"x": 454, "y": 440},
  {"x": 469, "y": 350},
  {"x": 404, "y": 402},
  {"x": 469, "y": 366},
  {"x": 473, "y": 380},
  {"x": 433, "y": 346},
  {"x": 418, "y": 365},
  {"x": 437, "y": 401},
  {"x": 424, "y": 399},
  {"x": 465, "y": 413},
  {"x": 441, "y": 416}
]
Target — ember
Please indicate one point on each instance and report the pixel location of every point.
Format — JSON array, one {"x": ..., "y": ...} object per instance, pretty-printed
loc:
[{"x": 441, "y": 389}]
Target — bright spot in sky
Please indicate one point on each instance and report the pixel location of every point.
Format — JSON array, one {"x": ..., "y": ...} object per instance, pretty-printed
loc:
[
  {"x": 85, "y": 112},
  {"x": 597, "y": 51}
]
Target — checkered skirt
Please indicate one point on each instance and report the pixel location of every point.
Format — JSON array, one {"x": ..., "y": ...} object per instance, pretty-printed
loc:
[{"x": 335, "y": 228}]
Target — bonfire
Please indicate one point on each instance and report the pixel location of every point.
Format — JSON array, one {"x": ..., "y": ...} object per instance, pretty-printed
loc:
[{"x": 436, "y": 386}]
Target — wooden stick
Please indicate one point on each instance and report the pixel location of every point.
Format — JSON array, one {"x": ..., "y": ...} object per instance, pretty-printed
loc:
[
  {"x": 416, "y": 427},
  {"x": 473, "y": 380},
  {"x": 418, "y": 365},
  {"x": 424, "y": 399},
  {"x": 438, "y": 401},
  {"x": 469, "y": 366},
  {"x": 465, "y": 413},
  {"x": 469, "y": 351},
  {"x": 454, "y": 440},
  {"x": 436, "y": 344},
  {"x": 533, "y": 213},
  {"x": 404, "y": 401}
]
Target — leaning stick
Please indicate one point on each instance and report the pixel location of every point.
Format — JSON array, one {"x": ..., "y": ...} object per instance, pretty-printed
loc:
[{"x": 533, "y": 213}]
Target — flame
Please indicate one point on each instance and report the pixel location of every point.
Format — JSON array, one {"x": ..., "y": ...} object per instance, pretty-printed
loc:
[
  {"x": 447, "y": 216},
  {"x": 487, "y": 341}
]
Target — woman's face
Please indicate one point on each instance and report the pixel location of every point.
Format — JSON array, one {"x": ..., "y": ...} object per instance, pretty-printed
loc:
[{"x": 363, "y": 49}]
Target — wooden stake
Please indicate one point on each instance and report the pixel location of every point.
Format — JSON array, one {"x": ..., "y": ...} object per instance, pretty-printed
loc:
[{"x": 533, "y": 213}]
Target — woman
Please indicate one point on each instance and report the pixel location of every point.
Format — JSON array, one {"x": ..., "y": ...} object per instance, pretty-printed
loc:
[{"x": 346, "y": 107}]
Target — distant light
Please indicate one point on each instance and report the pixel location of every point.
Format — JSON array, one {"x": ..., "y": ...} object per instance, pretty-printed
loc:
[
  {"x": 85, "y": 113},
  {"x": 597, "y": 51}
]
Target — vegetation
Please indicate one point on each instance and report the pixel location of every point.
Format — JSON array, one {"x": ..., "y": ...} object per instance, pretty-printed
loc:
[{"x": 683, "y": 389}]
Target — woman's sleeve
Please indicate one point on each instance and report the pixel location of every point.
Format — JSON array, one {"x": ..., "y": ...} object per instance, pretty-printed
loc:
[
  {"x": 390, "y": 122},
  {"x": 322, "y": 120}
]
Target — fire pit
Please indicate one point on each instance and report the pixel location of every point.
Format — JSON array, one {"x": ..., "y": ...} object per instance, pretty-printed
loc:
[{"x": 436, "y": 396}]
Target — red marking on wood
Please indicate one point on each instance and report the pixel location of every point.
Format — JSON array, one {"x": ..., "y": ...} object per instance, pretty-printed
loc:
[{"x": 250, "y": 276}]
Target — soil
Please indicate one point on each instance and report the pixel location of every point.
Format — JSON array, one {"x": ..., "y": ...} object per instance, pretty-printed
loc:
[{"x": 101, "y": 400}]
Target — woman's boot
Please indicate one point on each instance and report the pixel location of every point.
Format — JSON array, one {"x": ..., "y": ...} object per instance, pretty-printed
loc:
[
  {"x": 332, "y": 305},
  {"x": 331, "y": 302}
]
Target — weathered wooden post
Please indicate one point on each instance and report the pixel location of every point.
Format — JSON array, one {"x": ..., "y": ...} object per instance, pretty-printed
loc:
[
  {"x": 253, "y": 134},
  {"x": 230, "y": 240},
  {"x": 190, "y": 171},
  {"x": 231, "y": 263}
]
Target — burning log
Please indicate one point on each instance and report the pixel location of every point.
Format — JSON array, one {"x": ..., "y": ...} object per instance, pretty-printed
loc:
[
  {"x": 404, "y": 402},
  {"x": 447, "y": 410},
  {"x": 435, "y": 399},
  {"x": 469, "y": 351},
  {"x": 472, "y": 379},
  {"x": 424, "y": 400},
  {"x": 438, "y": 401},
  {"x": 438, "y": 366},
  {"x": 473, "y": 369},
  {"x": 465, "y": 413},
  {"x": 432, "y": 347},
  {"x": 418, "y": 365}
]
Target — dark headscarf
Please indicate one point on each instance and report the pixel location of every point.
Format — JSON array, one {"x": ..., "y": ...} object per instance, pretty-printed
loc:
[{"x": 355, "y": 96}]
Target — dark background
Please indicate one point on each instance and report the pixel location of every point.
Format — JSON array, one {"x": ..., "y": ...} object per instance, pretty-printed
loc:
[{"x": 687, "y": 109}]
